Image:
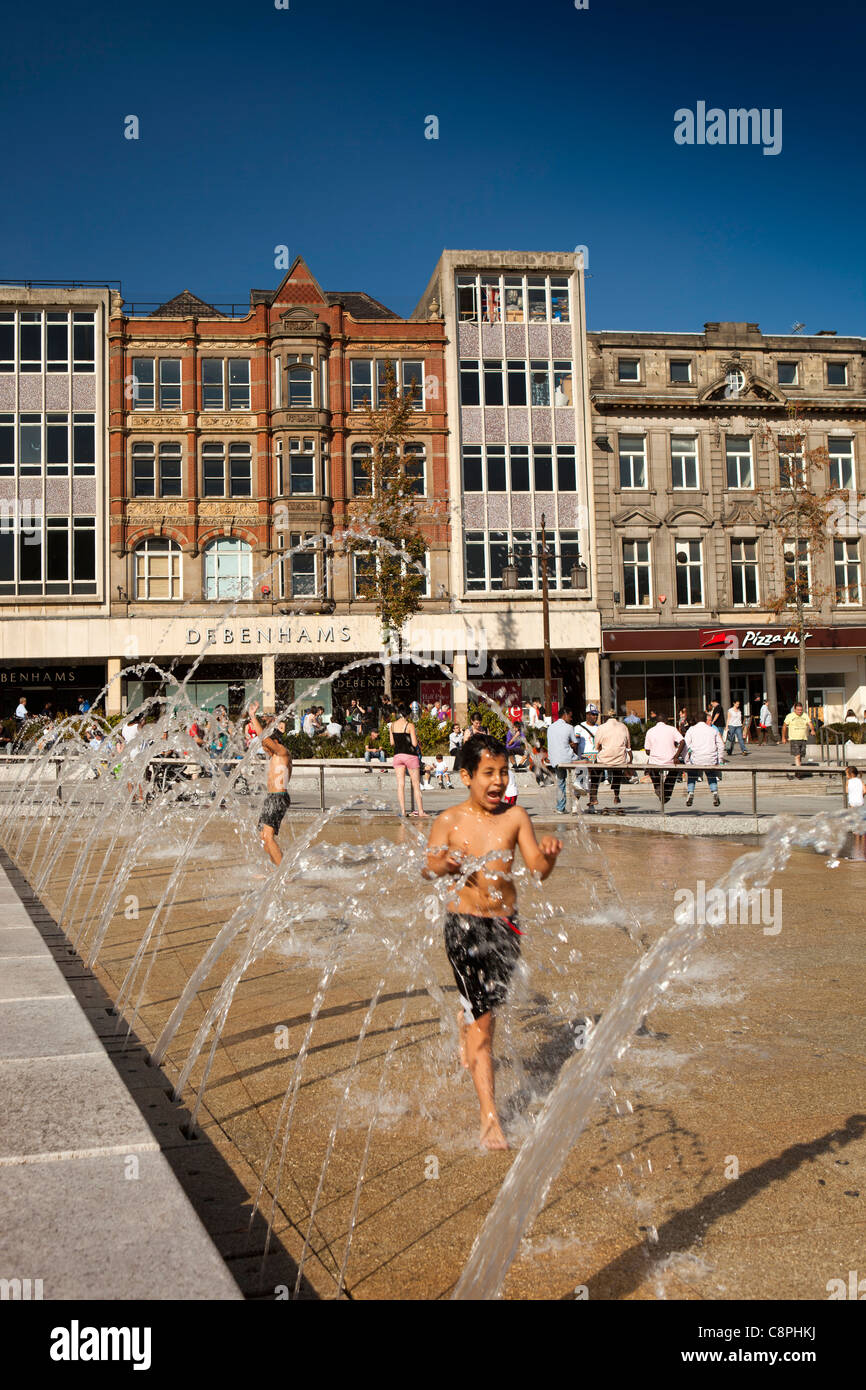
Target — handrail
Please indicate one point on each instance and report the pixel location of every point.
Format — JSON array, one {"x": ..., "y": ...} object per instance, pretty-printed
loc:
[{"x": 839, "y": 741}]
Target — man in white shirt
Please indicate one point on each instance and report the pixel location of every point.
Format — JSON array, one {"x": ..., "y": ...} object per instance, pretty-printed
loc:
[
  {"x": 21, "y": 712},
  {"x": 561, "y": 745},
  {"x": 704, "y": 749},
  {"x": 663, "y": 745}
]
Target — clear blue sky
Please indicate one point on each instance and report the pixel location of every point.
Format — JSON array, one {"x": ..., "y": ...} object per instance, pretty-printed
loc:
[{"x": 305, "y": 126}]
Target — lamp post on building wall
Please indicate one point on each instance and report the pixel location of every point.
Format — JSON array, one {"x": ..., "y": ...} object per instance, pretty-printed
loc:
[{"x": 579, "y": 579}]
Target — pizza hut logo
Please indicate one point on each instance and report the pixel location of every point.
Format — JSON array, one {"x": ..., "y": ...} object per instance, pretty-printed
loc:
[
  {"x": 717, "y": 639},
  {"x": 753, "y": 637}
]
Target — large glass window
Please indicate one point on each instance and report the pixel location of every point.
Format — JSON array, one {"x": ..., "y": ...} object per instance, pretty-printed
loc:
[
  {"x": 517, "y": 383},
  {"x": 628, "y": 369},
  {"x": 786, "y": 373},
  {"x": 29, "y": 445},
  {"x": 414, "y": 461},
  {"x": 566, "y": 472},
  {"x": 367, "y": 375},
  {"x": 83, "y": 343},
  {"x": 563, "y": 384},
  {"x": 637, "y": 580},
  {"x": 7, "y": 342},
  {"x": 30, "y": 342},
  {"x": 473, "y": 468},
  {"x": 362, "y": 383},
  {"x": 632, "y": 461},
  {"x": 738, "y": 461},
  {"x": 482, "y": 298},
  {"x": 792, "y": 462},
  {"x": 684, "y": 461},
  {"x": 84, "y": 444},
  {"x": 486, "y": 555},
  {"x": 366, "y": 567},
  {"x": 494, "y": 390},
  {"x": 158, "y": 569},
  {"x": 744, "y": 573},
  {"x": 170, "y": 460},
  {"x": 837, "y": 373},
  {"x": 539, "y": 383},
  {"x": 680, "y": 371},
  {"x": 302, "y": 565},
  {"x": 240, "y": 470},
  {"x": 846, "y": 564},
  {"x": 362, "y": 480},
  {"x": 213, "y": 469},
  {"x": 57, "y": 342},
  {"x": 470, "y": 385},
  {"x": 228, "y": 569}
]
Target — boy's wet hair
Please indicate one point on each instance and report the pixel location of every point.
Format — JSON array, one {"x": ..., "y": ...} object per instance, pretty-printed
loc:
[{"x": 475, "y": 747}]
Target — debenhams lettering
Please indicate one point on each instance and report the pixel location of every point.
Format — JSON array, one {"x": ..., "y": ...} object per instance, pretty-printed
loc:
[{"x": 264, "y": 636}]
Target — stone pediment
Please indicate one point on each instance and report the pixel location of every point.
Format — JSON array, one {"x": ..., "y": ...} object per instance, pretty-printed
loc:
[
  {"x": 743, "y": 513},
  {"x": 300, "y": 314},
  {"x": 687, "y": 514},
  {"x": 753, "y": 390},
  {"x": 636, "y": 516}
]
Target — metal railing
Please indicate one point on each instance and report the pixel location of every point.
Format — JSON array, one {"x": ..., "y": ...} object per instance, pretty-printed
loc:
[
  {"x": 831, "y": 741},
  {"x": 720, "y": 769}
]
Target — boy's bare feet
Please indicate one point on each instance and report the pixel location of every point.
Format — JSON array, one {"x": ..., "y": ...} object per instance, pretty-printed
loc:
[{"x": 491, "y": 1133}]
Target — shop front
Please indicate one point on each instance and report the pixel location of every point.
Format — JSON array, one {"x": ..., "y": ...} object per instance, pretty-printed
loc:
[
  {"x": 56, "y": 684},
  {"x": 664, "y": 671}
]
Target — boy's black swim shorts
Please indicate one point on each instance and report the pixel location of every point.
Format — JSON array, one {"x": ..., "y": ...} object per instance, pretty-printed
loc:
[{"x": 482, "y": 952}]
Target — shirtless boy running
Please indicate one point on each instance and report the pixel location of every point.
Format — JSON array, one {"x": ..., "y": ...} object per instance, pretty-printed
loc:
[
  {"x": 482, "y": 937},
  {"x": 277, "y": 801}
]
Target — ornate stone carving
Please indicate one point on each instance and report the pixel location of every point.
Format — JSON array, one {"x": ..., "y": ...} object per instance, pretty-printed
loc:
[
  {"x": 212, "y": 421},
  {"x": 153, "y": 510},
  {"x": 169, "y": 421},
  {"x": 225, "y": 511}
]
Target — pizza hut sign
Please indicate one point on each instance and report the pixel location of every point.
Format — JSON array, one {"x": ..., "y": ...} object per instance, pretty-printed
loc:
[{"x": 753, "y": 637}]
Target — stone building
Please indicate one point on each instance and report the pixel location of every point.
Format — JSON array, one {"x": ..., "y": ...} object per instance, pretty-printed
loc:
[{"x": 687, "y": 558}]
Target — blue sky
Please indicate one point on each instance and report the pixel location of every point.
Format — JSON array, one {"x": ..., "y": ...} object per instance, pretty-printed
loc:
[{"x": 305, "y": 127}]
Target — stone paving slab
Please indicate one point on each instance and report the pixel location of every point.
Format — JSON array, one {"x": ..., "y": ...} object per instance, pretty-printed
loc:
[{"x": 88, "y": 1202}]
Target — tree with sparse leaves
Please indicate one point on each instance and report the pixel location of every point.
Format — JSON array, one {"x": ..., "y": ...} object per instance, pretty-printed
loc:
[
  {"x": 800, "y": 504},
  {"x": 384, "y": 535}
]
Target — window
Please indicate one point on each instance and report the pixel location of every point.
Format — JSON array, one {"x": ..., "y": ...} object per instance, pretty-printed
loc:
[
  {"x": 738, "y": 460},
  {"x": 516, "y": 383},
  {"x": 846, "y": 563},
  {"x": 483, "y": 298},
  {"x": 362, "y": 462},
  {"x": 735, "y": 382},
  {"x": 798, "y": 571},
  {"x": 519, "y": 460},
  {"x": 142, "y": 383},
  {"x": 240, "y": 470},
  {"x": 539, "y": 383},
  {"x": 536, "y": 289},
  {"x": 473, "y": 468},
  {"x": 7, "y": 446},
  {"x": 470, "y": 387},
  {"x": 494, "y": 390},
  {"x": 366, "y": 566},
  {"x": 228, "y": 569},
  {"x": 637, "y": 585},
  {"x": 158, "y": 569},
  {"x": 414, "y": 458},
  {"x": 84, "y": 444},
  {"x": 212, "y": 391},
  {"x": 690, "y": 574},
  {"x": 632, "y": 461},
  {"x": 239, "y": 383},
  {"x": 629, "y": 369},
  {"x": 83, "y": 343},
  {"x": 566, "y": 472},
  {"x": 143, "y": 470},
  {"x": 48, "y": 555},
  {"x": 680, "y": 372},
  {"x": 496, "y": 468},
  {"x": 744, "y": 573},
  {"x": 542, "y": 465},
  {"x": 278, "y": 383},
  {"x": 467, "y": 300},
  {"x": 302, "y": 565},
  {"x": 841, "y": 460},
  {"x": 213, "y": 470},
  {"x": 837, "y": 373},
  {"x": 57, "y": 342},
  {"x": 170, "y": 480},
  {"x": 563, "y": 384},
  {"x": 29, "y": 445},
  {"x": 786, "y": 373},
  {"x": 486, "y": 555},
  {"x": 169, "y": 383},
  {"x": 792, "y": 462},
  {"x": 684, "y": 462},
  {"x": 30, "y": 342},
  {"x": 7, "y": 342},
  {"x": 302, "y": 467},
  {"x": 57, "y": 452},
  {"x": 408, "y": 376}
]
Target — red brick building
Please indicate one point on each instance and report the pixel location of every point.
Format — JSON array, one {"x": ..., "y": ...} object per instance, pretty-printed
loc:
[{"x": 234, "y": 438}]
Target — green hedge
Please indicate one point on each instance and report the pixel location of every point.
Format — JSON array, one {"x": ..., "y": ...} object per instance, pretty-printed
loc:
[{"x": 855, "y": 733}]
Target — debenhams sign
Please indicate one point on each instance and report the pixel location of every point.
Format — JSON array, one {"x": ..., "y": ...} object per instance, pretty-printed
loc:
[{"x": 270, "y": 635}]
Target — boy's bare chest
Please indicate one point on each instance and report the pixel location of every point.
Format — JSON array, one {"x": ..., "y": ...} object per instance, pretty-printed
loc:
[{"x": 480, "y": 838}]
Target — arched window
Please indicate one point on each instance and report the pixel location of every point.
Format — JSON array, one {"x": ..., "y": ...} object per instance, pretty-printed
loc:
[
  {"x": 158, "y": 569},
  {"x": 228, "y": 569}
]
